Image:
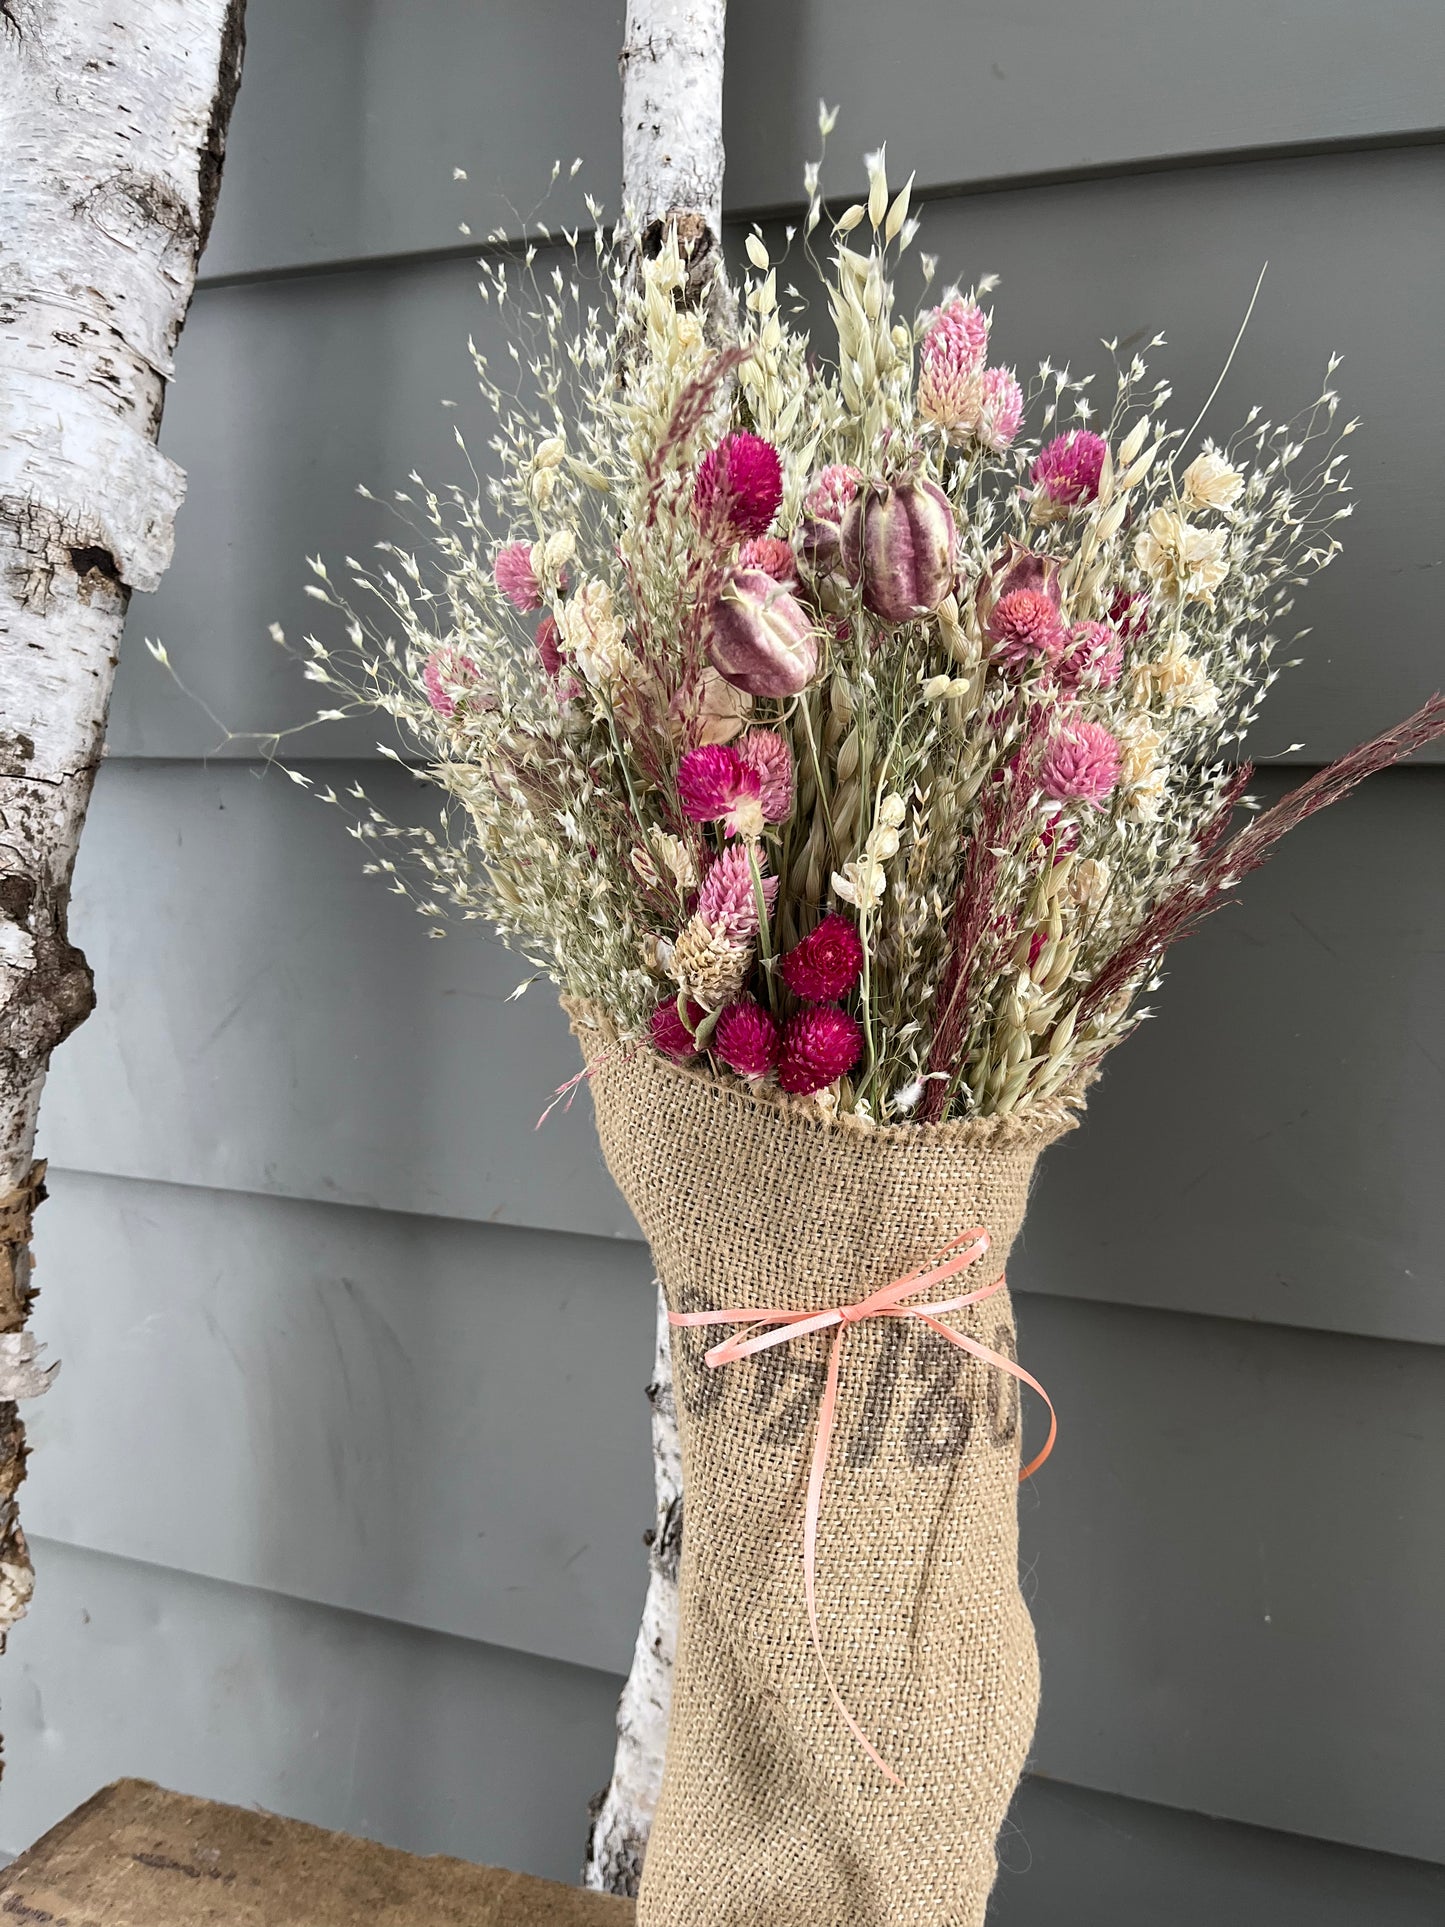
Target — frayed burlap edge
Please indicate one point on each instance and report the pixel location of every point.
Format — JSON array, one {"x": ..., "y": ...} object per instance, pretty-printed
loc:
[{"x": 1039, "y": 1121}]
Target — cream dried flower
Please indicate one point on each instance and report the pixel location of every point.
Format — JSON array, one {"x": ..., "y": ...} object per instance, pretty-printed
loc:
[
  {"x": 1211, "y": 483},
  {"x": 595, "y": 636},
  {"x": 1089, "y": 881},
  {"x": 1178, "y": 681},
  {"x": 1143, "y": 772},
  {"x": 1181, "y": 559},
  {"x": 861, "y": 882}
]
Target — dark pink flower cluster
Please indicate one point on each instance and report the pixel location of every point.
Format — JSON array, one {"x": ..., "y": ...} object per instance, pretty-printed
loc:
[
  {"x": 826, "y": 964},
  {"x": 670, "y": 1034},
  {"x": 747, "y": 1039},
  {"x": 740, "y": 484},
  {"x": 741, "y": 785},
  {"x": 1068, "y": 468},
  {"x": 820, "y": 1045}
]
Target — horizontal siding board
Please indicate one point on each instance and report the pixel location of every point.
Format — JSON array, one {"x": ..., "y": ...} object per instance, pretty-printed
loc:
[
  {"x": 272, "y": 1021},
  {"x": 1235, "y": 1570},
  {"x": 290, "y": 394},
  {"x": 352, "y": 118},
  {"x": 438, "y": 1745},
  {"x": 432, "y": 1422},
  {"x": 1071, "y": 1858},
  {"x": 1234, "y": 1515}
]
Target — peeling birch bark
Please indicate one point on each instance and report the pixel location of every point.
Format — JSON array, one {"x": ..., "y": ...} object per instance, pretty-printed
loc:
[
  {"x": 622, "y": 1816},
  {"x": 672, "y": 174},
  {"x": 113, "y": 122}
]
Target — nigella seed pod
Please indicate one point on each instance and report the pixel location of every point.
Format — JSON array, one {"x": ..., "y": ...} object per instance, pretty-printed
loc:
[
  {"x": 760, "y": 638},
  {"x": 900, "y": 543}
]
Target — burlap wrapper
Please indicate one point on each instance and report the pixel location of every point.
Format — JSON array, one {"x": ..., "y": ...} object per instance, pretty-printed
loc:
[{"x": 771, "y": 1815}]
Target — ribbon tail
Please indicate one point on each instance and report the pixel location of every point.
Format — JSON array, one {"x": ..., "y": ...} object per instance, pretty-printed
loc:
[
  {"x": 816, "y": 1475},
  {"x": 1014, "y": 1370}
]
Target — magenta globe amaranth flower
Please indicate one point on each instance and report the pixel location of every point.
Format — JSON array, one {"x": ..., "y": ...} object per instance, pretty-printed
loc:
[
  {"x": 670, "y": 1034},
  {"x": 826, "y": 964},
  {"x": 739, "y": 485},
  {"x": 1067, "y": 469},
  {"x": 747, "y": 1039},
  {"x": 820, "y": 1045},
  {"x": 900, "y": 543},
  {"x": 760, "y": 637}
]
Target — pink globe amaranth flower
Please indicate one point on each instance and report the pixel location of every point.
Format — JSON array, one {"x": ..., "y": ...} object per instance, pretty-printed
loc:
[
  {"x": 820, "y": 533},
  {"x": 900, "y": 543},
  {"x": 715, "y": 785},
  {"x": 747, "y": 1039},
  {"x": 1025, "y": 628},
  {"x": 765, "y": 751},
  {"x": 820, "y": 1045},
  {"x": 963, "y": 323},
  {"x": 759, "y": 637},
  {"x": 1001, "y": 409},
  {"x": 950, "y": 367},
  {"x": 1094, "y": 654},
  {"x": 512, "y": 572},
  {"x": 670, "y": 1034},
  {"x": 833, "y": 489},
  {"x": 727, "y": 902},
  {"x": 1068, "y": 468},
  {"x": 436, "y": 694},
  {"x": 1080, "y": 764},
  {"x": 739, "y": 485},
  {"x": 826, "y": 964},
  {"x": 772, "y": 555},
  {"x": 444, "y": 676}
]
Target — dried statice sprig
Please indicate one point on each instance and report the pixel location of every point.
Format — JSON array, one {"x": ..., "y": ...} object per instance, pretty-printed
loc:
[{"x": 853, "y": 717}]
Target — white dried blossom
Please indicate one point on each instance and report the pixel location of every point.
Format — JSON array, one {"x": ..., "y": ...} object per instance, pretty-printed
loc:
[
  {"x": 1210, "y": 482},
  {"x": 1182, "y": 559}
]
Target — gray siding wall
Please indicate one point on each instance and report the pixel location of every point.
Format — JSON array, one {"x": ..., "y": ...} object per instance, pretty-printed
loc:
[{"x": 338, "y": 1502}]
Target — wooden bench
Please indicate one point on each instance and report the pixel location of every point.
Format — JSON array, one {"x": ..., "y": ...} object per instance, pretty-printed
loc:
[{"x": 137, "y": 1856}]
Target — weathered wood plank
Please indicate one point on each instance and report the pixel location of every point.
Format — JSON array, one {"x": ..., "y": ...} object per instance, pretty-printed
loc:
[{"x": 138, "y": 1856}]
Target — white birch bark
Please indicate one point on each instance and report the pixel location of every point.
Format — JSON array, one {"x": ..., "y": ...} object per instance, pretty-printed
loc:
[
  {"x": 672, "y": 173},
  {"x": 113, "y": 117}
]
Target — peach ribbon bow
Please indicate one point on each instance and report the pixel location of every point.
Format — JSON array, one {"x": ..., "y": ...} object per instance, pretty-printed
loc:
[{"x": 886, "y": 1302}]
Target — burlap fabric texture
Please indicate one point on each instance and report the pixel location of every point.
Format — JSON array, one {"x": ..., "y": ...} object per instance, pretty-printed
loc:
[{"x": 770, "y": 1814}]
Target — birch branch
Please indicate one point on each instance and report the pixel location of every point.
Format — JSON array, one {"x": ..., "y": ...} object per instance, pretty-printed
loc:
[
  {"x": 113, "y": 123},
  {"x": 672, "y": 174}
]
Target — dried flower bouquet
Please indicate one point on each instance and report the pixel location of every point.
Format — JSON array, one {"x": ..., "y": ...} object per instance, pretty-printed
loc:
[
  {"x": 816, "y": 720},
  {"x": 847, "y": 737}
]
